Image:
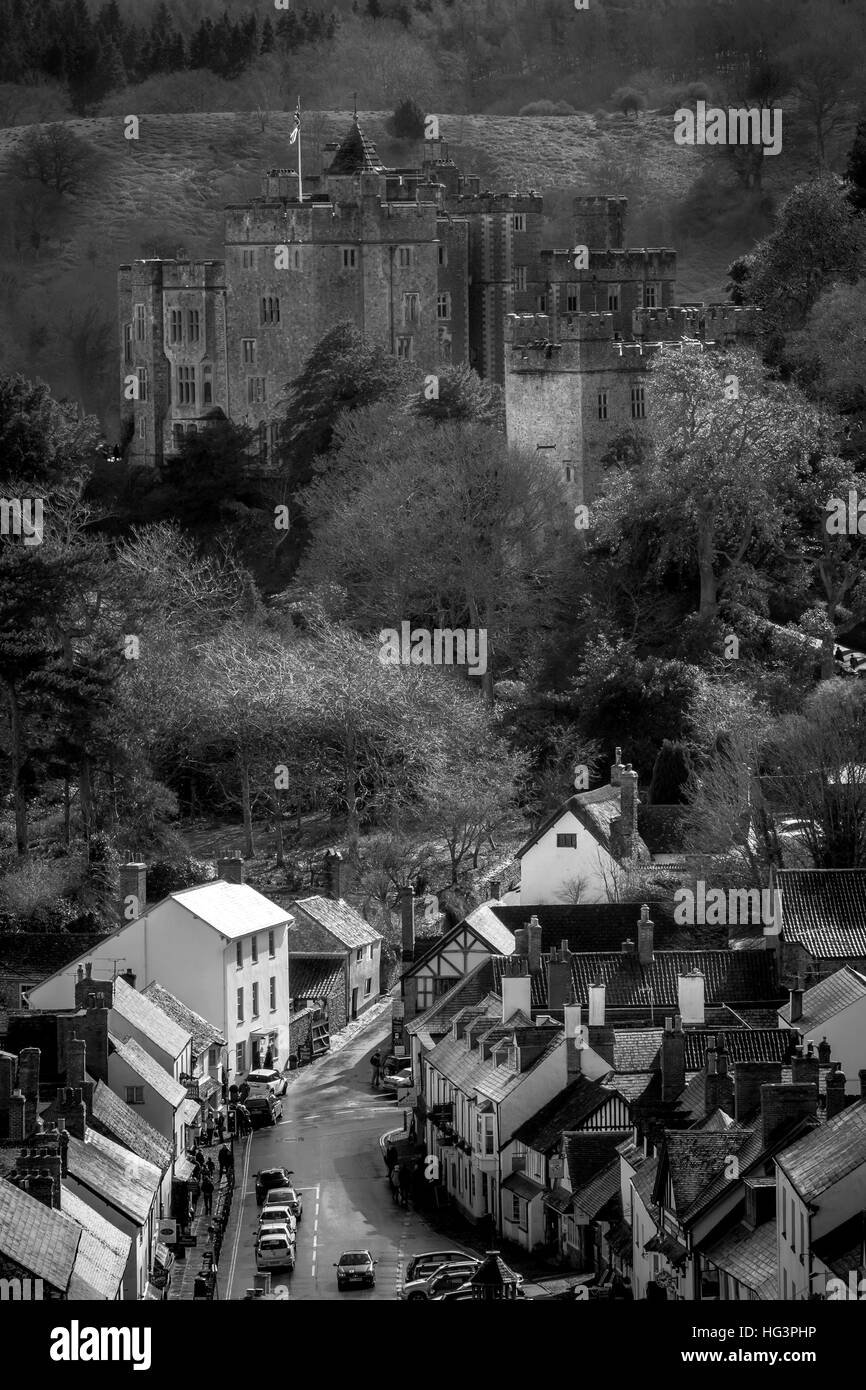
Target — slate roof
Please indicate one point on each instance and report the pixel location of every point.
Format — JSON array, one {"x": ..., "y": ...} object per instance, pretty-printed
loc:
[
  {"x": 593, "y": 1196},
  {"x": 338, "y": 919},
  {"x": 355, "y": 154},
  {"x": 825, "y": 910},
  {"x": 37, "y": 1237},
  {"x": 747, "y": 1255},
  {"x": 232, "y": 909},
  {"x": 587, "y": 1154},
  {"x": 827, "y": 1154},
  {"x": 38, "y": 955},
  {"x": 588, "y": 926},
  {"x": 129, "y": 1128},
  {"x": 568, "y": 1110},
  {"x": 314, "y": 977},
  {"x": 523, "y": 1186},
  {"x": 697, "y": 1159},
  {"x": 735, "y": 976},
  {"x": 203, "y": 1033},
  {"x": 127, "y": 1182},
  {"x": 644, "y": 1181},
  {"x": 102, "y": 1252},
  {"x": 468, "y": 1070},
  {"x": 473, "y": 987},
  {"x": 827, "y": 998},
  {"x": 148, "y": 1018},
  {"x": 141, "y": 1062},
  {"x": 633, "y": 1086}
]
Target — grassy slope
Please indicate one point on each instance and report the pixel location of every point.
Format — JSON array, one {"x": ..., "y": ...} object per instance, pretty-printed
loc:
[{"x": 168, "y": 189}]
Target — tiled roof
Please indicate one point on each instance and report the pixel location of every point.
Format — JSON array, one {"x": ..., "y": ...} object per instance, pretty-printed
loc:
[
  {"x": 338, "y": 919},
  {"x": 828, "y": 998},
  {"x": 747, "y": 1255},
  {"x": 468, "y": 1070},
  {"x": 127, "y": 1127},
  {"x": 102, "y": 1252},
  {"x": 593, "y": 1196},
  {"x": 633, "y": 1086},
  {"x": 37, "y": 955},
  {"x": 568, "y": 1110},
  {"x": 232, "y": 909},
  {"x": 37, "y": 1237},
  {"x": 825, "y": 910},
  {"x": 741, "y": 1045},
  {"x": 148, "y": 1018},
  {"x": 485, "y": 922},
  {"x": 589, "y": 926},
  {"x": 523, "y": 1186},
  {"x": 587, "y": 1154},
  {"x": 822, "y": 1157},
  {"x": 141, "y": 1062},
  {"x": 121, "y": 1178},
  {"x": 204, "y": 1034},
  {"x": 729, "y": 976},
  {"x": 355, "y": 154},
  {"x": 471, "y": 989},
  {"x": 314, "y": 977},
  {"x": 697, "y": 1159}
]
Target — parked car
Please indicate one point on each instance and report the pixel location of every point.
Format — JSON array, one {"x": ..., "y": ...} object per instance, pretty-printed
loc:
[
  {"x": 287, "y": 1197},
  {"x": 266, "y": 1081},
  {"x": 277, "y": 1213},
  {"x": 428, "y": 1261},
  {"x": 274, "y": 1250},
  {"x": 264, "y": 1110},
  {"x": 268, "y": 1178},
  {"x": 442, "y": 1280},
  {"x": 354, "y": 1268},
  {"x": 277, "y": 1228}
]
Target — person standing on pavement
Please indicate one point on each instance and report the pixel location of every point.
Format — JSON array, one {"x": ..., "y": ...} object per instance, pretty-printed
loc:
[
  {"x": 225, "y": 1161},
  {"x": 376, "y": 1064},
  {"x": 207, "y": 1193},
  {"x": 221, "y": 1126}
]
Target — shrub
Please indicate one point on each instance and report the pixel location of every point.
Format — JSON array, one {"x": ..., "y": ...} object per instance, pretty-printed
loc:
[
  {"x": 628, "y": 100},
  {"x": 408, "y": 120},
  {"x": 56, "y": 157}
]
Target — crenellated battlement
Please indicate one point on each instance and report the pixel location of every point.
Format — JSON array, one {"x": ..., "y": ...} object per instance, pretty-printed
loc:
[
  {"x": 725, "y": 320},
  {"x": 523, "y": 329}
]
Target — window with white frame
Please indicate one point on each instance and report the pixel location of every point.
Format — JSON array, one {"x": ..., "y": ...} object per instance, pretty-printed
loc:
[
  {"x": 368, "y": 985},
  {"x": 566, "y": 841},
  {"x": 254, "y": 949},
  {"x": 255, "y": 1006},
  {"x": 515, "y": 1208},
  {"x": 272, "y": 948},
  {"x": 269, "y": 308},
  {"x": 423, "y": 992},
  {"x": 240, "y": 1058},
  {"x": 443, "y": 306},
  {"x": 650, "y": 296},
  {"x": 240, "y": 1014},
  {"x": 134, "y": 1095},
  {"x": 272, "y": 993}
]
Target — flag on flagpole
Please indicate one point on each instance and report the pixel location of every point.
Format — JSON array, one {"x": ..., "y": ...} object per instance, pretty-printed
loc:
[{"x": 294, "y": 135}]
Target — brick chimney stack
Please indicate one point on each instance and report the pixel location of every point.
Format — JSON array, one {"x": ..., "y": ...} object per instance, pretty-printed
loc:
[
  {"x": 749, "y": 1077},
  {"x": 836, "y": 1082},
  {"x": 825, "y": 1052},
  {"x": 230, "y": 867},
  {"x": 533, "y": 933},
  {"x": 28, "y": 1081},
  {"x": 89, "y": 1028},
  {"x": 597, "y": 992},
  {"x": 407, "y": 925},
  {"x": 516, "y": 986},
  {"x": 718, "y": 1086},
  {"x": 645, "y": 933},
  {"x": 133, "y": 891},
  {"x": 804, "y": 1067},
  {"x": 8, "y": 1066},
  {"x": 690, "y": 989},
  {"x": 91, "y": 993},
  {"x": 573, "y": 1041},
  {"x": 784, "y": 1106},
  {"x": 616, "y": 769},
  {"x": 16, "y": 1115},
  {"x": 494, "y": 889},
  {"x": 41, "y": 1169},
  {"x": 796, "y": 1000},
  {"x": 71, "y": 1111},
  {"x": 628, "y": 803},
  {"x": 558, "y": 978},
  {"x": 673, "y": 1059}
]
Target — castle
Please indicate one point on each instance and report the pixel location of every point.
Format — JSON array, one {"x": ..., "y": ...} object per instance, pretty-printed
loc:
[{"x": 432, "y": 268}]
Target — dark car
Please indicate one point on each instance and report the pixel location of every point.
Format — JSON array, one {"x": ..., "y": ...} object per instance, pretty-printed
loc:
[
  {"x": 271, "y": 1177},
  {"x": 355, "y": 1268},
  {"x": 264, "y": 1110}
]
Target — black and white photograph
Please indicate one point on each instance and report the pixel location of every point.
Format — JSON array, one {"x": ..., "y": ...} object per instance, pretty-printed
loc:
[{"x": 432, "y": 673}]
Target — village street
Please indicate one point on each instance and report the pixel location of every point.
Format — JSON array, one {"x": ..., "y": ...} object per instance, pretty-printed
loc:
[{"x": 329, "y": 1137}]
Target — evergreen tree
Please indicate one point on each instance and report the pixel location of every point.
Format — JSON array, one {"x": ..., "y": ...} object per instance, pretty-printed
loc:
[
  {"x": 671, "y": 771},
  {"x": 268, "y": 39}
]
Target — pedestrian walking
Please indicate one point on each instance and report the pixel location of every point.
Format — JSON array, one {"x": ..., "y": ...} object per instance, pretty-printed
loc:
[
  {"x": 209, "y": 1130},
  {"x": 194, "y": 1192},
  {"x": 221, "y": 1126},
  {"x": 245, "y": 1123},
  {"x": 225, "y": 1161},
  {"x": 390, "y": 1157},
  {"x": 376, "y": 1064},
  {"x": 395, "y": 1182},
  {"x": 207, "y": 1194},
  {"x": 210, "y": 1167}
]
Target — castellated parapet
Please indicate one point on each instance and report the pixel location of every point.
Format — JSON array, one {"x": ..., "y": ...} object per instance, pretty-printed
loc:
[{"x": 600, "y": 221}]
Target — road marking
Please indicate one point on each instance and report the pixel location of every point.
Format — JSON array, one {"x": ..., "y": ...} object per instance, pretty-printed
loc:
[{"x": 237, "y": 1238}]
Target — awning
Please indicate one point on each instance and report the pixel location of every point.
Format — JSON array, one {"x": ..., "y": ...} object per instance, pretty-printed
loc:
[
  {"x": 523, "y": 1186},
  {"x": 183, "y": 1167},
  {"x": 558, "y": 1199},
  {"x": 189, "y": 1111},
  {"x": 207, "y": 1087},
  {"x": 163, "y": 1260}
]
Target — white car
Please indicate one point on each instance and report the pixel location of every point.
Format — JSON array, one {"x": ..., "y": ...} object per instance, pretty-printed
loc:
[
  {"x": 266, "y": 1081},
  {"x": 278, "y": 1214},
  {"x": 442, "y": 1280},
  {"x": 274, "y": 1250}
]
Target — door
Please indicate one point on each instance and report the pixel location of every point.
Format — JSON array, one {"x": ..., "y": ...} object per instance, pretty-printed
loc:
[{"x": 355, "y": 1003}]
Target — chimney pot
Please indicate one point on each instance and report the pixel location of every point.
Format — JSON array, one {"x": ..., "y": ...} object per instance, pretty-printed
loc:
[
  {"x": 836, "y": 1082},
  {"x": 796, "y": 1000},
  {"x": 533, "y": 934},
  {"x": 230, "y": 869},
  {"x": 616, "y": 769},
  {"x": 825, "y": 1052}
]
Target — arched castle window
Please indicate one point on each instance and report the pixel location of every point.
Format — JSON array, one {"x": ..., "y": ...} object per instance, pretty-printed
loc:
[
  {"x": 207, "y": 385},
  {"x": 270, "y": 309}
]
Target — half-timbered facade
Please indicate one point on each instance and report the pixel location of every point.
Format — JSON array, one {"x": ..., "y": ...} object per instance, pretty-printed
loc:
[
  {"x": 451, "y": 957},
  {"x": 579, "y": 1129}
]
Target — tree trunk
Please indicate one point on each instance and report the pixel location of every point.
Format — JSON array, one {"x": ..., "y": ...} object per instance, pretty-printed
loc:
[
  {"x": 86, "y": 795},
  {"x": 709, "y": 605},
  {"x": 18, "y": 798},
  {"x": 246, "y": 805}
]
